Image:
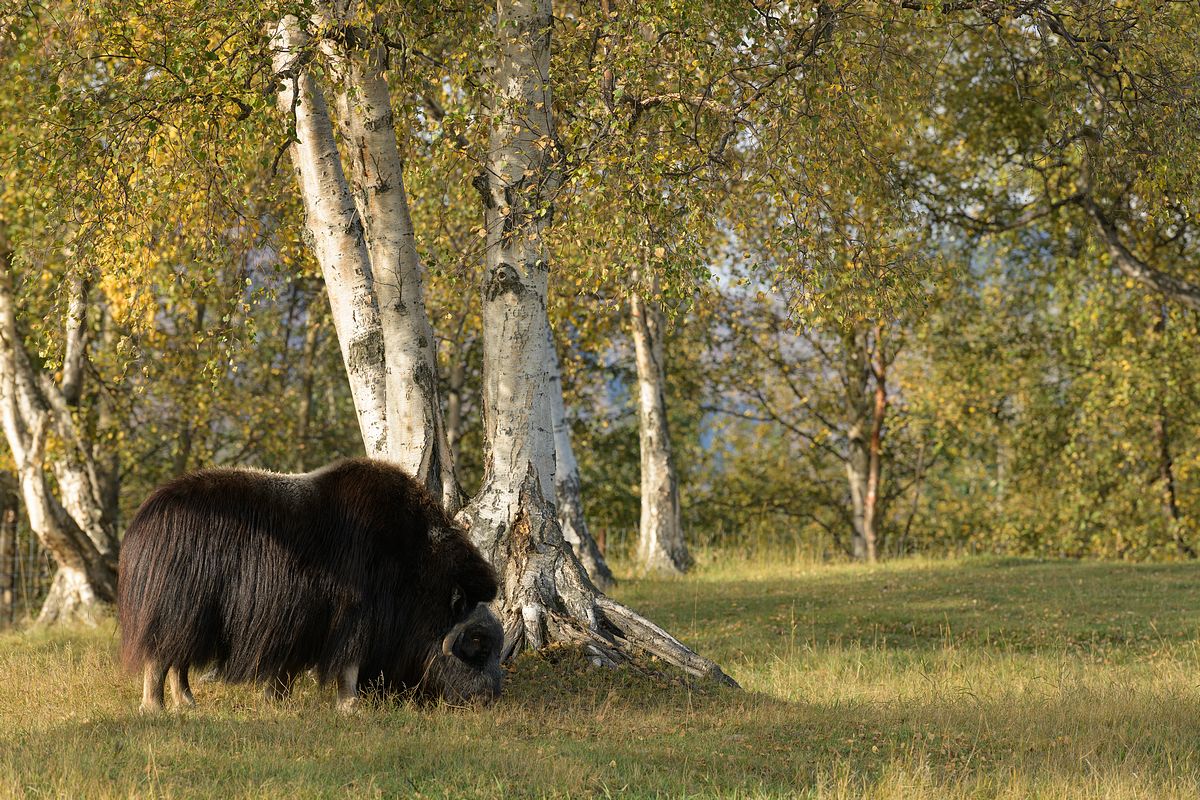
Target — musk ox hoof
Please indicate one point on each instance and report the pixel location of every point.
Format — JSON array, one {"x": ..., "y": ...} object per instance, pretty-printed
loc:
[{"x": 348, "y": 706}]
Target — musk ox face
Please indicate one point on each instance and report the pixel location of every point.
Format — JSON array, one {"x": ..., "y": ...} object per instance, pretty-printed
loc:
[{"x": 466, "y": 667}]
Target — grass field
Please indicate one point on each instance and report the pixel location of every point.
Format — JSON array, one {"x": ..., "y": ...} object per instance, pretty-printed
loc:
[{"x": 970, "y": 678}]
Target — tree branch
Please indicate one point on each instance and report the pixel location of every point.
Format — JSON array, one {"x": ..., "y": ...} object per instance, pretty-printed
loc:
[{"x": 1183, "y": 292}]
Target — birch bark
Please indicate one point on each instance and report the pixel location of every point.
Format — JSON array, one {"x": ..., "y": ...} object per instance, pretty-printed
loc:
[
  {"x": 10, "y": 506},
  {"x": 519, "y": 454},
  {"x": 661, "y": 544},
  {"x": 338, "y": 240},
  {"x": 546, "y": 596},
  {"x": 416, "y": 434},
  {"x": 363, "y": 238},
  {"x": 568, "y": 489},
  {"x": 73, "y": 529}
]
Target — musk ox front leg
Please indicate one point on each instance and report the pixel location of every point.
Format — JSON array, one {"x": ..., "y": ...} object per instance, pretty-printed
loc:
[
  {"x": 181, "y": 690},
  {"x": 153, "y": 677},
  {"x": 347, "y": 689}
]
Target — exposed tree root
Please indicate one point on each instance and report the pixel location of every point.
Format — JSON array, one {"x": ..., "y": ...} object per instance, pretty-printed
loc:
[
  {"x": 71, "y": 599},
  {"x": 547, "y": 597}
]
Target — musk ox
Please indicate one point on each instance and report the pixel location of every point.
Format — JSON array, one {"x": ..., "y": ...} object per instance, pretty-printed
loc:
[{"x": 352, "y": 571}]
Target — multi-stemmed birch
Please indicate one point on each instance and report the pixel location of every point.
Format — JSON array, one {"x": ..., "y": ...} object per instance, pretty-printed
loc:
[
  {"x": 69, "y": 521},
  {"x": 362, "y": 236}
]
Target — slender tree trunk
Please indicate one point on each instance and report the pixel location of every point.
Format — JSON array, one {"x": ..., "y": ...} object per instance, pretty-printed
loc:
[
  {"x": 416, "y": 433},
  {"x": 182, "y": 456},
  {"x": 104, "y": 452},
  {"x": 337, "y": 233},
  {"x": 859, "y": 419},
  {"x": 76, "y": 340},
  {"x": 567, "y": 486},
  {"x": 856, "y": 476},
  {"x": 9, "y": 508},
  {"x": 661, "y": 544},
  {"x": 546, "y": 595},
  {"x": 871, "y": 501}
]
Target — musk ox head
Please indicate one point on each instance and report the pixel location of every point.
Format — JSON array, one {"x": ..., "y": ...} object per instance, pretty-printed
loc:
[{"x": 466, "y": 668}]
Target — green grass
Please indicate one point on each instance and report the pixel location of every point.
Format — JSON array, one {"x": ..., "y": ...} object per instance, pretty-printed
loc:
[{"x": 977, "y": 678}]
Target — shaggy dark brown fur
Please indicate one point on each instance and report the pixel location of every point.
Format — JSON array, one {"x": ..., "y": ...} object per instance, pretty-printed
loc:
[{"x": 266, "y": 575}]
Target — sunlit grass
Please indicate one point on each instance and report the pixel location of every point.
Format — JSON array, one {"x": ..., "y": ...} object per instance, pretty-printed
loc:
[{"x": 972, "y": 678}]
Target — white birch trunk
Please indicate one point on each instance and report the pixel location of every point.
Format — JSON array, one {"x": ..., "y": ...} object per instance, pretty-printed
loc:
[
  {"x": 865, "y": 406},
  {"x": 519, "y": 442},
  {"x": 416, "y": 433},
  {"x": 661, "y": 544},
  {"x": 567, "y": 486},
  {"x": 338, "y": 240},
  {"x": 854, "y": 382},
  {"x": 545, "y": 594}
]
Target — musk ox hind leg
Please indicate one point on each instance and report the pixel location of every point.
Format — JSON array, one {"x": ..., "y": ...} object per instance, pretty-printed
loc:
[
  {"x": 154, "y": 675},
  {"x": 181, "y": 690},
  {"x": 347, "y": 689}
]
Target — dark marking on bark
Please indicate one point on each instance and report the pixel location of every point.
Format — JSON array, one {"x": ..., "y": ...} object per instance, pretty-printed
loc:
[
  {"x": 387, "y": 121},
  {"x": 511, "y": 221},
  {"x": 366, "y": 351},
  {"x": 504, "y": 279},
  {"x": 423, "y": 376},
  {"x": 355, "y": 228},
  {"x": 480, "y": 182}
]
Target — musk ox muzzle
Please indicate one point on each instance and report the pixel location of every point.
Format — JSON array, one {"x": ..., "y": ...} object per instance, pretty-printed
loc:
[
  {"x": 467, "y": 668},
  {"x": 353, "y": 572}
]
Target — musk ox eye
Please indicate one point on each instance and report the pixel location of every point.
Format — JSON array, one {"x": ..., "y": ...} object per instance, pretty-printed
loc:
[{"x": 473, "y": 648}]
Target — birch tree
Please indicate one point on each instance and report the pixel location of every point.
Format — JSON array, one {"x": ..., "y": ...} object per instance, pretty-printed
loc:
[
  {"x": 568, "y": 489},
  {"x": 661, "y": 544},
  {"x": 864, "y": 377},
  {"x": 546, "y": 595},
  {"x": 827, "y": 390}
]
